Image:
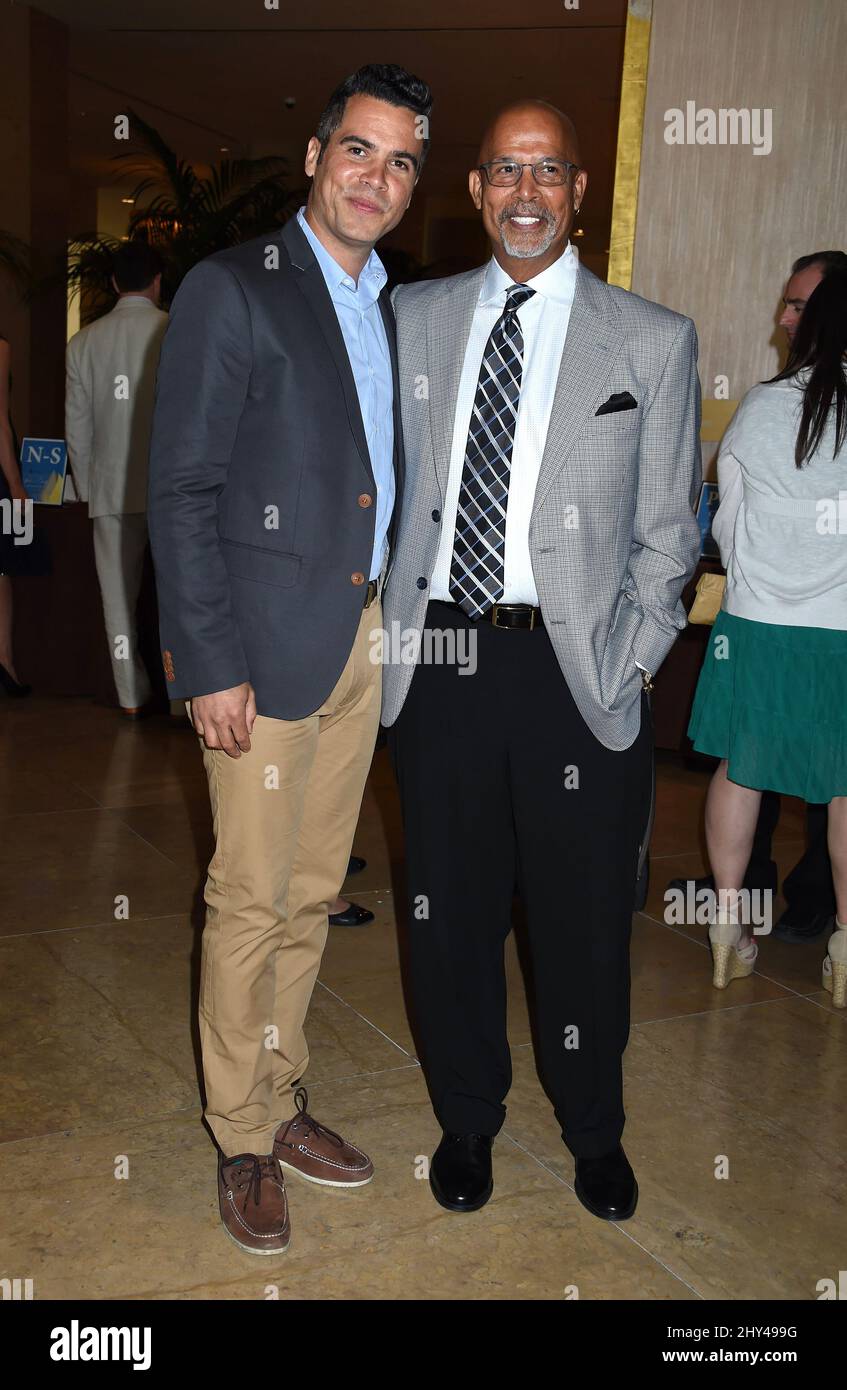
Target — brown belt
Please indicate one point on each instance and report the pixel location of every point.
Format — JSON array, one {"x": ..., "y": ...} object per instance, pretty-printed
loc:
[{"x": 371, "y": 592}]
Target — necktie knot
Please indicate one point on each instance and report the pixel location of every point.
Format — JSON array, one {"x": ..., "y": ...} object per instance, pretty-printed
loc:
[{"x": 517, "y": 295}]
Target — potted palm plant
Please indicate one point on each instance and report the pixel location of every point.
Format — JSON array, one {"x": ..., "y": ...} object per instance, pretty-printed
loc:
[{"x": 184, "y": 213}]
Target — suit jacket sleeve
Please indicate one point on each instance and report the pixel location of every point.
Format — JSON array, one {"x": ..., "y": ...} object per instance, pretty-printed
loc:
[
  {"x": 79, "y": 425},
  {"x": 666, "y": 537},
  {"x": 201, "y": 387}
]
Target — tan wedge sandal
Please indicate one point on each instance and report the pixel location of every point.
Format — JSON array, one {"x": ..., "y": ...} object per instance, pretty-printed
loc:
[
  {"x": 834, "y": 977},
  {"x": 730, "y": 963}
]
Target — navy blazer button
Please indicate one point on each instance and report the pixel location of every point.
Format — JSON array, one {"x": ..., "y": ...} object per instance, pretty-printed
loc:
[
  {"x": 357, "y": 578},
  {"x": 365, "y": 500},
  {"x": 421, "y": 583},
  {"x": 436, "y": 515}
]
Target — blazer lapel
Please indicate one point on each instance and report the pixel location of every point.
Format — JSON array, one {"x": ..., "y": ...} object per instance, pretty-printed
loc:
[
  {"x": 311, "y": 283},
  {"x": 592, "y": 345},
  {"x": 399, "y": 455},
  {"x": 448, "y": 329}
]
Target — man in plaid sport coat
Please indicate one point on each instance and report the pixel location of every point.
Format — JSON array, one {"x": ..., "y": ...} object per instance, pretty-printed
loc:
[{"x": 551, "y": 426}]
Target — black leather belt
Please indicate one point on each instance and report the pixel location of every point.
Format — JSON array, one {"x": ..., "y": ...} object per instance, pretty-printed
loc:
[
  {"x": 371, "y": 592},
  {"x": 521, "y": 615},
  {"x": 509, "y": 615}
]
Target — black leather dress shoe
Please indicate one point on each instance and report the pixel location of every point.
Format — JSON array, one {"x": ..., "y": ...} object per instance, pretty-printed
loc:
[
  {"x": 680, "y": 885},
  {"x": 356, "y": 865},
  {"x": 352, "y": 916},
  {"x": 796, "y": 927},
  {"x": 16, "y": 690},
  {"x": 460, "y": 1171},
  {"x": 606, "y": 1186}
]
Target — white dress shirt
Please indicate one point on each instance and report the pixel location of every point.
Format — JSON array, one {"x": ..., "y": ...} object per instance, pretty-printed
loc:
[
  {"x": 357, "y": 310},
  {"x": 544, "y": 324}
]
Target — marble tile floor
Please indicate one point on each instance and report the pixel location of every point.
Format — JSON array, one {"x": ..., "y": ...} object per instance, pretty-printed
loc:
[{"x": 99, "y": 1070}]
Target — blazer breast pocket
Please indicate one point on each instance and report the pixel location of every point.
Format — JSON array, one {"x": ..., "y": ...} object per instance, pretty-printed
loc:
[
  {"x": 615, "y": 422},
  {"x": 260, "y": 565}
]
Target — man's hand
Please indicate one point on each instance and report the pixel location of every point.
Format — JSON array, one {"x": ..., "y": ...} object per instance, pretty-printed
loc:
[{"x": 225, "y": 720}]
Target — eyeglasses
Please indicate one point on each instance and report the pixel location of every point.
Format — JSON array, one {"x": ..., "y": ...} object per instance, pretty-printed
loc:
[{"x": 505, "y": 173}]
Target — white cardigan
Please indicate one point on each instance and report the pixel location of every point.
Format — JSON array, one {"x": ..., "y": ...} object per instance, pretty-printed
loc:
[{"x": 782, "y": 531}]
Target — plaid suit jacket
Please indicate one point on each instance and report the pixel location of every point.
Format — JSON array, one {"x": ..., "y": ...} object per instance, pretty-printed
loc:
[{"x": 613, "y": 536}]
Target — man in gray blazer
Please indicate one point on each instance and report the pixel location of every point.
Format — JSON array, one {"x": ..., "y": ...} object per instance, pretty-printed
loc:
[
  {"x": 276, "y": 468},
  {"x": 551, "y": 426}
]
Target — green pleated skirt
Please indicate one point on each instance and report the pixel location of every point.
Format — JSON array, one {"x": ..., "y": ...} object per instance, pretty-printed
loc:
[{"x": 772, "y": 700}]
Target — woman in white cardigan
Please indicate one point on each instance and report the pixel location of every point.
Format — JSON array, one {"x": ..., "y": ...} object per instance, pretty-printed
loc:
[{"x": 771, "y": 700}]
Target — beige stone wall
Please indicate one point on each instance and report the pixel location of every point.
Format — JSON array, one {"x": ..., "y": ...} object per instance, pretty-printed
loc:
[{"x": 718, "y": 226}]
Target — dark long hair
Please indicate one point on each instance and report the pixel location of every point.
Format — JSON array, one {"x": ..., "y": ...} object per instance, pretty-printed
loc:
[{"x": 820, "y": 343}]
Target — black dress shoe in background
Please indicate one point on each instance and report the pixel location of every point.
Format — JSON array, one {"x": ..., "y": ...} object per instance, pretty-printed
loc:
[
  {"x": 16, "y": 690},
  {"x": 606, "y": 1186},
  {"x": 796, "y": 927},
  {"x": 460, "y": 1171},
  {"x": 352, "y": 916},
  {"x": 356, "y": 865},
  {"x": 680, "y": 885},
  {"x": 707, "y": 884}
]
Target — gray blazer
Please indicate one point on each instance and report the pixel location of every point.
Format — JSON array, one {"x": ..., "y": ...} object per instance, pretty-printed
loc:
[
  {"x": 257, "y": 421},
  {"x": 609, "y": 587}
]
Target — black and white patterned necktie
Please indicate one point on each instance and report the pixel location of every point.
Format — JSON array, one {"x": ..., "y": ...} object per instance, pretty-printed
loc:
[{"x": 479, "y": 547}]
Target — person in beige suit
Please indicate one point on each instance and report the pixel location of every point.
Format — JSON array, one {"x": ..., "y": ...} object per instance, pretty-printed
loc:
[{"x": 111, "y": 378}]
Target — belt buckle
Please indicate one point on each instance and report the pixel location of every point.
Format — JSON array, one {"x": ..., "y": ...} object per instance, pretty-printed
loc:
[{"x": 497, "y": 606}]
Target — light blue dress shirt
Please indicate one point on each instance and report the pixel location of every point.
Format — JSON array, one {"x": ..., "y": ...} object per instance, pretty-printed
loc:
[{"x": 360, "y": 321}]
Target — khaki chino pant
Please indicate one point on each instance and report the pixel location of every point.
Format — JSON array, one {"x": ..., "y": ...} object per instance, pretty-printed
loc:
[{"x": 284, "y": 818}]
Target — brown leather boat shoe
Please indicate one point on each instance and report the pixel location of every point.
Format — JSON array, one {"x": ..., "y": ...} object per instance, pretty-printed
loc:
[
  {"x": 317, "y": 1153},
  {"x": 254, "y": 1207}
]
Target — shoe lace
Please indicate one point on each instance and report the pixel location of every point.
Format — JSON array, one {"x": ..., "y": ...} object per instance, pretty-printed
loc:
[
  {"x": 310, "y": 1125},
  {"x": 254, "y": 1171}
]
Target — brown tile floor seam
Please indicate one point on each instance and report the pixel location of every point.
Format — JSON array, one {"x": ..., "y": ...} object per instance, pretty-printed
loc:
[
  {"x": 89, "y": 926},
  {"x": 360, "y": 1075},
  {"x": 88, "y": 1133},
  {"x": 725, "y": 1009},
  {"x": 704, "y": 946},
  {"x": 149, "y": 843},
  {"x": 367, "y": 1020},
  {"x": 696, "y": 849},
  {"x": 618, "y": 1226},
  {"x": 138, "y": 1038}
]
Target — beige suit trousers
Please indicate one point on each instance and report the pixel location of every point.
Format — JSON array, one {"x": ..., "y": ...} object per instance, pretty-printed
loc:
[
  {"x": 119, "y": 545},
  {"x": 284, "y": 818}
]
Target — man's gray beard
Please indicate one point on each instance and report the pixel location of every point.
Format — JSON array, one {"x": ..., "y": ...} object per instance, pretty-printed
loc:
[{"x": 523, "y": 251}]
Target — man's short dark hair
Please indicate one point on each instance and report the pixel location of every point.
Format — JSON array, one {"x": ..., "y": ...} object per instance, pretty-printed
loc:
[
  {"x": 135, "y": 266},
  {"x": 827, "y": 260},
  {"x": 385, "y": 82}
]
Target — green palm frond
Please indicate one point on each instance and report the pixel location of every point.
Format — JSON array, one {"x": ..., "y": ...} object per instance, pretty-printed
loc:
[
  {"x": 15, "y": 261},
  {"x": 186, "y": 213}
]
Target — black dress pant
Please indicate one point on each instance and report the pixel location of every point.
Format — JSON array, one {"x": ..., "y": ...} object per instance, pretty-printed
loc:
[
  {"x": 501, "y": 779},
  {"x": 808, "y": 889}
]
